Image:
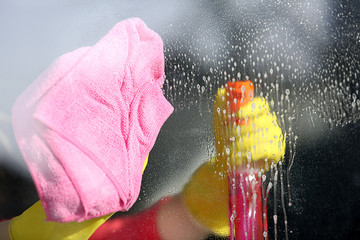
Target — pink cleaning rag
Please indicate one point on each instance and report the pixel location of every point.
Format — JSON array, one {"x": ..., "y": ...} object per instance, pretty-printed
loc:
[{"x": 86, "y": 125}]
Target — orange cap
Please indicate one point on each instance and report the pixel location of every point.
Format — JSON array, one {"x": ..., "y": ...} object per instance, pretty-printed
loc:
[
  {"x": 242, "y": 91},
  {"x": 239, "y": 94}
]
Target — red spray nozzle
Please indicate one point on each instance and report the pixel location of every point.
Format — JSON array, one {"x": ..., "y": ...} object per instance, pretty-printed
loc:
[{"x": 239, "y": 93}]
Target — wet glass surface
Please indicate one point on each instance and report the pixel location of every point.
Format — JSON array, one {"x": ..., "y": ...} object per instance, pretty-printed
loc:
[{"x": 303, "y": 56}]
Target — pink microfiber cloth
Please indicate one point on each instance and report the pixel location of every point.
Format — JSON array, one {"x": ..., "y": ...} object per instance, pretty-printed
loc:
[{"x": 86, "y": 125}]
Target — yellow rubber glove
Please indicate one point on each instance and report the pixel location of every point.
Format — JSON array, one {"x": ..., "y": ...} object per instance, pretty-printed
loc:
[
  {"x": 248, "y": 134},
  {"x": 206, "y": 197},
  {"x": 257, "y": 139},
  {"x": 32, "y": 224}
]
